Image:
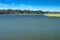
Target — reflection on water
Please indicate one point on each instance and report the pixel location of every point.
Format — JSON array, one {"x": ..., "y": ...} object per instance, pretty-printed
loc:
[{"x": 29, "y": 27}]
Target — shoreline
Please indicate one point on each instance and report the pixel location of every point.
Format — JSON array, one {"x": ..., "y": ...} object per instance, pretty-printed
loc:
[
  {"x": 52, "y": 15},
  {"x": 21, "y": 14},
  {"x": 48, "y": 15}
]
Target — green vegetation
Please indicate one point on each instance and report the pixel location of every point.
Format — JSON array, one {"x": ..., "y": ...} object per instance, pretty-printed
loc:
[
  {"x": 47, "y": 12},
  {"x": 9, "y": 11}
]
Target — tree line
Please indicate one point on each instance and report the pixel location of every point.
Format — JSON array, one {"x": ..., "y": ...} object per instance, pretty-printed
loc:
[{"x": 10, "y": 11}]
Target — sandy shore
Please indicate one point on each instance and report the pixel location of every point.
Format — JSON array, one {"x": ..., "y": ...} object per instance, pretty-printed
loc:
[{"x": 52, "y": 15}]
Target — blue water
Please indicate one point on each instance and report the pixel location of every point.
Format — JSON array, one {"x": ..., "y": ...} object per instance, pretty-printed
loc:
[{"x": 29, "y": 27}]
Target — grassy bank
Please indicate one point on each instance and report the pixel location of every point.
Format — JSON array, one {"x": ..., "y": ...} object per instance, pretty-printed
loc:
[{"x": 52, "y": 15}]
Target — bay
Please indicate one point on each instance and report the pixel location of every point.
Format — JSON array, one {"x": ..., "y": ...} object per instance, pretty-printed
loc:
[{"x": 29, "y": 27}]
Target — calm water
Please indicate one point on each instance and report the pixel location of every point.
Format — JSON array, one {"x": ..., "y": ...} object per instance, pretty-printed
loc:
[{"x": 29, "y": 27}]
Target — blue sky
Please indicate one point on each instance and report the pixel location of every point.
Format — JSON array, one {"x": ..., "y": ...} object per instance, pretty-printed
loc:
[{"x": 45, "y": 5}]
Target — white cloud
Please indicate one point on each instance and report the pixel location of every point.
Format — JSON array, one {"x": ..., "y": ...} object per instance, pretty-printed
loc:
[
  {"x": 27, "y": 7},
  {"x": 13, "y": 6}
]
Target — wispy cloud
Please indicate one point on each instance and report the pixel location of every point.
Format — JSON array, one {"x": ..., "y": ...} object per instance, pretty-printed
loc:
[
  {"x": 13, "y": 6},
  {"x": 27, "y": 7}
]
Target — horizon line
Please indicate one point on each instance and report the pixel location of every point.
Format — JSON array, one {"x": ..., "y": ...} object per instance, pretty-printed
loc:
[{"x": 31, "y": 10}]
